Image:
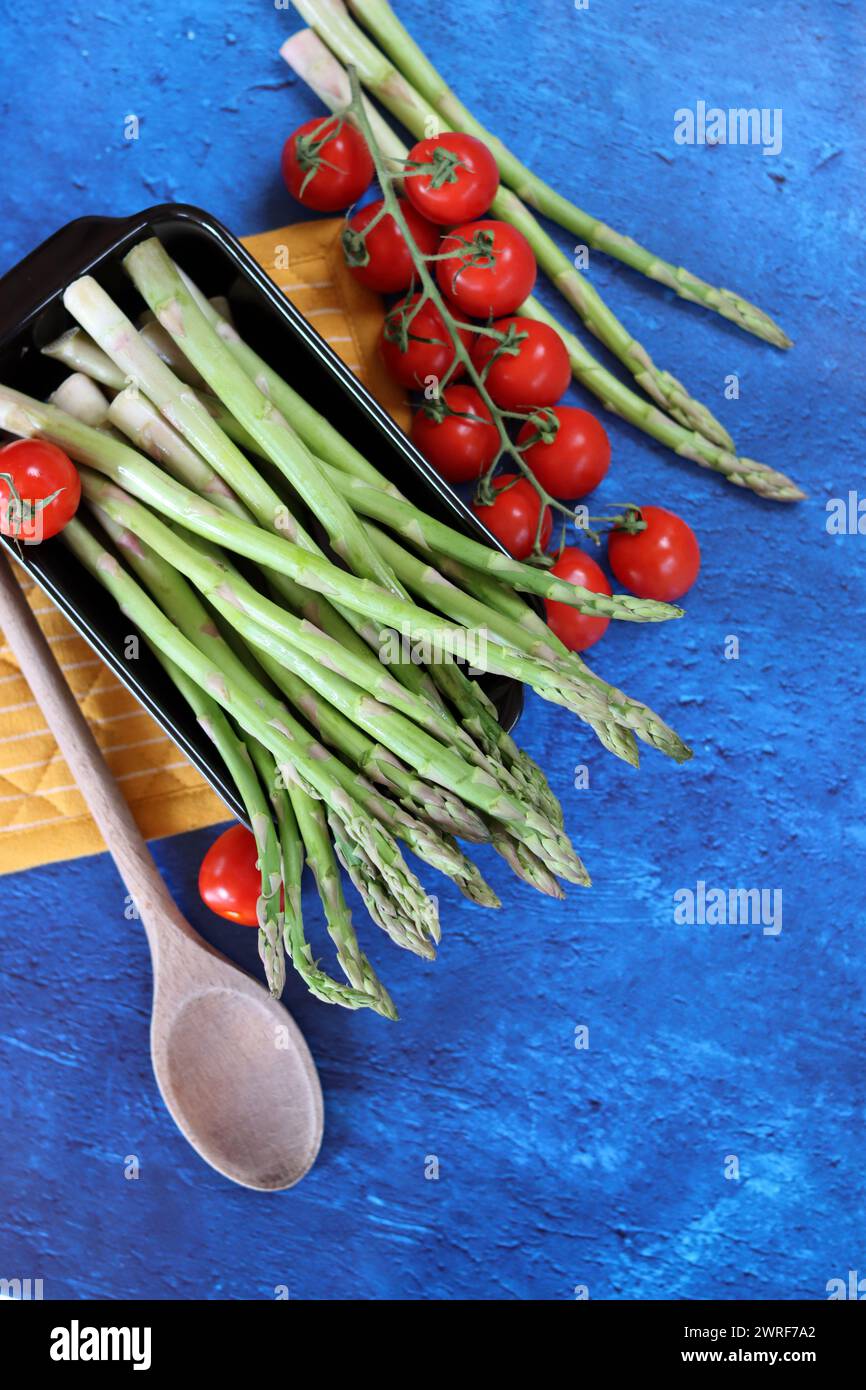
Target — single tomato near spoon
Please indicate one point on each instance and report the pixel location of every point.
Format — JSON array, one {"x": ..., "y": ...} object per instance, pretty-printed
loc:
[{"x": 229, "y": 879}]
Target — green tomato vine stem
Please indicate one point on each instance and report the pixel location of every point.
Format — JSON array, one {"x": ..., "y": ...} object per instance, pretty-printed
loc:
[{"x": 430, "y": 294}]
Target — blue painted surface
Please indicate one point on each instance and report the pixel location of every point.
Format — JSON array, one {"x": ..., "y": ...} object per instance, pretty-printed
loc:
[{"x": 558, "y": 1167}]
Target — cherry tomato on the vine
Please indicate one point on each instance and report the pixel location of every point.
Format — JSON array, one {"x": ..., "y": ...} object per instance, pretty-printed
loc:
[
  {"x": 390, "y": 267},
  {"x": 428, "y": 349},
  {"x": 463, "y": 181},
  {"x": 462, "y": 444},
  {"x": 39, "y": 490},
  {"x": 537, "y": 374},
  {"x": 326, "y": 164},
  {"x": 575, "y": 459},
  {"x": 492, "y": 269},
  {"x": 229, "y": 880},
  {"x": 661, "y": 562},
  {"x": 513, "y": 515},
  {"x": 575, "y": 629}
]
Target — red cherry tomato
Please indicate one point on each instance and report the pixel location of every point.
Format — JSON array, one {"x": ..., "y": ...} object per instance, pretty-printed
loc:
[
  {"x": 575, "y": 629},
  {"x": 576, "y": 458},
  {"x": 537, "y": 375},
  {"x": 428, "y": 351},
  {"x": 464, "y": 181},
  {"x": 39, "y": 490},
  {"x": 460, "y": 446},
  {"x": 661, "y": 562},
  {"x": 513, "y": 516},
  {"x": 326, "y": 164},
  {"x": 491, "y": 272},
  {"x": 390, "y": 267},
  {"x": 229, "y": 880}
]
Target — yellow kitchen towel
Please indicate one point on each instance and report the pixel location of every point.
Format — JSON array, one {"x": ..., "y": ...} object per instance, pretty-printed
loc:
[{"x": 42, "y": 814}]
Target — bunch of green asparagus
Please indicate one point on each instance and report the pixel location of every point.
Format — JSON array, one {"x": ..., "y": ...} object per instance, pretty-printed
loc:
[
  {"x": 396, "y": 72},
  {"x": 194, "y": 456}
]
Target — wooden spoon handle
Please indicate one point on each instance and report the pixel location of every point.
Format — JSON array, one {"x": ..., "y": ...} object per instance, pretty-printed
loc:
[{"x": 85, "y": 760}]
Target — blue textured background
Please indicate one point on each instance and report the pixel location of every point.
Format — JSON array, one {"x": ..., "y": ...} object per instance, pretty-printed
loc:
[{"x": 558, "y": 1167}]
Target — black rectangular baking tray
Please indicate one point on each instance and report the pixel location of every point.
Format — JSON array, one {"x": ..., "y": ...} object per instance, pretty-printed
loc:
[{"x": 32, "y": 314}]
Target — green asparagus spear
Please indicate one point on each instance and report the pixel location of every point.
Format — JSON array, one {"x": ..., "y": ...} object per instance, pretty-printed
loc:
[
  {"x": 380, "y": 19},
  {"x": 366, "y": 991},
  {"x": 236, "y": 757},
  {"x": 629, "y": 713},
  {"x": 391, "y": 509},
  {"x": 463, "y": 607}
]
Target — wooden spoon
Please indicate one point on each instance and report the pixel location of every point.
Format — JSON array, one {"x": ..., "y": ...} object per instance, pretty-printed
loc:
[{"x": 233, "y": 1068}]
